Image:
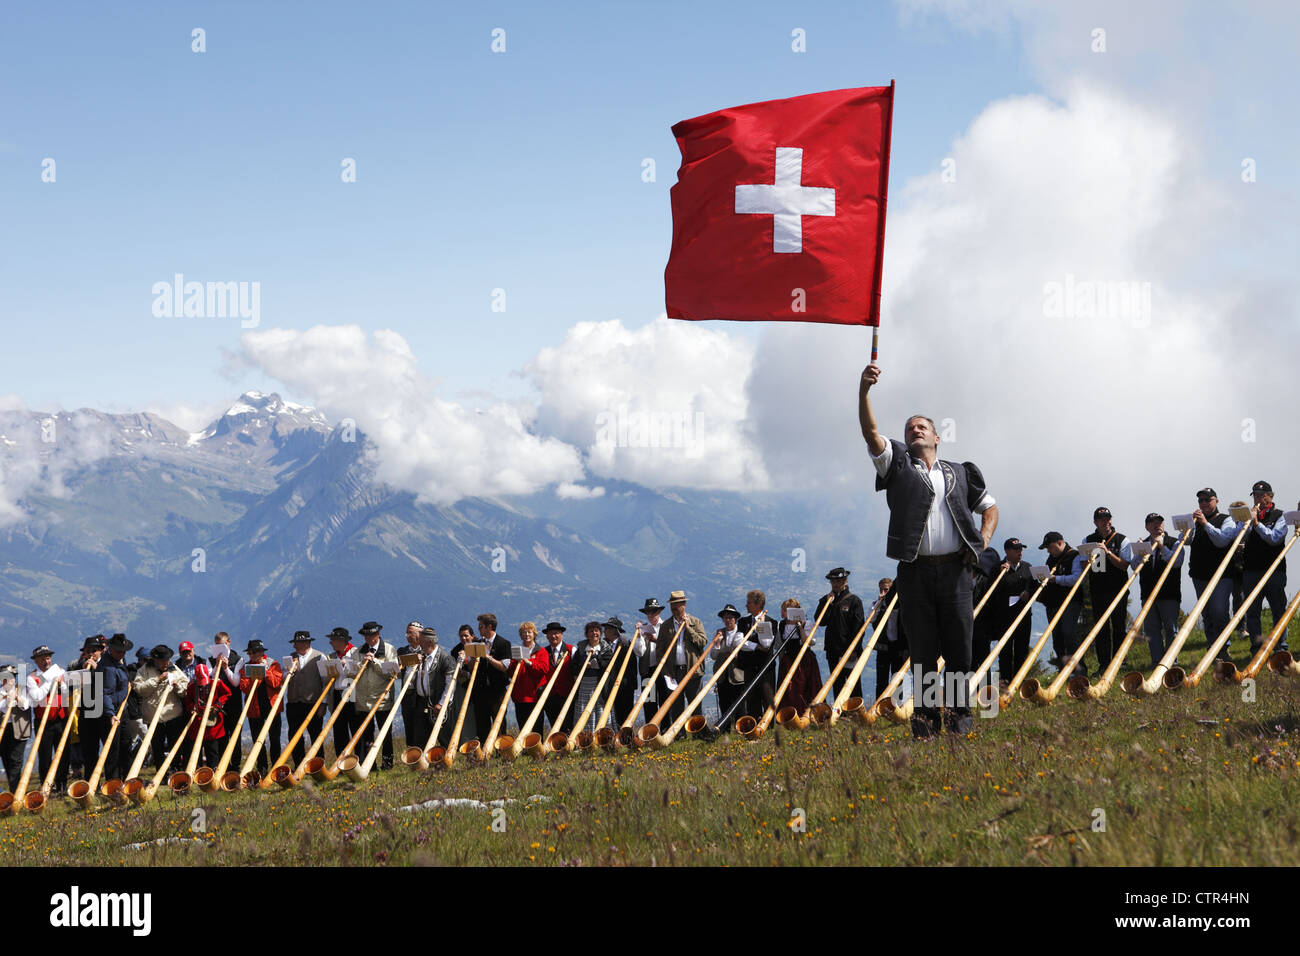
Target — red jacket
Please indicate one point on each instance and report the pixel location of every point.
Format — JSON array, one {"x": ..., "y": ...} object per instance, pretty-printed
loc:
[
  {"x": 531, "y": 680},
  {"x": 274, "y": 678},
  {"x": 564, "y": 677},
  {"x": 196, "y": 698}
]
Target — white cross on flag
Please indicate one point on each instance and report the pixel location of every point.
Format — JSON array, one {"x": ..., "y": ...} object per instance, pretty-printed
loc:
[{"x": 779, "y": 210}]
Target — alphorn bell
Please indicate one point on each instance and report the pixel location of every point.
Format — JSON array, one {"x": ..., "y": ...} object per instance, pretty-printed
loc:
[
  {"x": 1032, "y": 690},
  {"x": 417, "y": 758},
  {"x": 338, "y": 766},
  {"x": 30, "y": 800},
  {"x": 1007, "y": 696},
  {"x": 231, "y": 781},
  {"x": 311, "y": 763},
  {"x": 448, "y": 757},
  {"x": 584, "y": 738},
  {"x": 10, "y": 803},
  {"x": 359, "y": 772},
  {"x": 607, "y": 738},
  {"x": 179, "y": 782},
  {"x": 1175, "y": 678},
  {"x": 752, "y": 729},
  {"x": 843, "y": 703},
  {"x": 489, "y": 743},
  {"x": 143, "y": 795},
  {"x": 558, "y": 740},
  {"x": 650, "y": 731},
  {"x": 666, "y": 738},
  {"x": 1078, "y": 687},
  {"x": 82, "y": 791},
  {"x": 132, "y": 782},
  {"x": 248, "y": 773},
  {"x": 1042, "y": 574},
  {"x": 280, "y": 772},
  {"x": 527, "y": 739},
  {"x": 1226, "y": 672},
  {"x": 1133, "y": 684},
  {"x": 625, "y": 732},
  {"x": 818, "y": 712}
]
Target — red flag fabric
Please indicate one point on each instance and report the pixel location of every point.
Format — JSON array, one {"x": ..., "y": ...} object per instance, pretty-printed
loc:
[{"x": 779, "y": 210}]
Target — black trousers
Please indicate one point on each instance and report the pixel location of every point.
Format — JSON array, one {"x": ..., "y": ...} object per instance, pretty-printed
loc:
[
  {"x": 627, "y": 693},
  {"x": 691, "y": 689},
  {"x": 833, "y": 656},
  {"x": 524, "y": 710},
  {"x": 272, "y": 741},
  {"x": 759, "y": 695},
  {"x": 485, "y": 711},
  {"x": 11, "y": 755},
  {"x": 728, "y": 694},
  {"x": 345, "y": 726},
  {"x": 46, "y": 748},
  {"x": 890, "y": 657},
  {"x": 230, "y": 716},
  {"x": 554, "y": 703},
  {"x": 1012, "y": 656},
  {"x": 297, "y": 713},
  {"x": 368, "y": 740},
  {"x": 1111, "y": 634},
  {"x": 165, "y": 734},
  {"x": 938, "y": 618},
  {"x": 91, "y": 730},
  {"x": 419, "y": 726}
]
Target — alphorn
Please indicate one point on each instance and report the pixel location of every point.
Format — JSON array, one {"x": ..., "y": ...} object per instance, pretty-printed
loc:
[
  {"x": 1032, "y": 690},
  {"x": 1133, "y": 683},
  {"x": 1226, "y": 672},
  {"x": 816, "y": 711},
  {"x": 625, "y": 732},
  {"x": 311, "y": 763},
  {"x": 349, "y": 765},
  {"x": 118, "y": 794},
  {"x": 1043, "y": 575},
  {"x": 712, "y": 733},
  {"x": 1007, "y": 696},
  {"x": 902, "y": 713},
  {"x": 843, "y": 703},
  {"x": 324, "y": 773},
  {"x": 29, "y": 801},
  {"x": 1175, "y": 678},
  {"x": 489, "y": 742},
  {"x": 82, "y": 791},
  {"x": 666, "y": 738},
  {"x": 280, "y": 772},
  {"x": 248, "y": 773},
  {"x": 1078, "y": 687},
  {"x": 528, "y": 740},
  {"x": 10, "y": 803},
  {"x": 417, "y": 758},
  {"x": 448, "y": 757},
  {"x": 143, "y": 794},
  {"x": 752, "y": 729},
  {"x": 650, "y": 730},
  {"x": 558, "y": 740},
  {"x": 1285, "y": 664},
  {"x": 230, "y": 781},
  {"x": 179, "y": 782},
  {"x": 876, "y": 710},
  {"x": 607, "y": 738},
  {"x": 584, "y": 739}
]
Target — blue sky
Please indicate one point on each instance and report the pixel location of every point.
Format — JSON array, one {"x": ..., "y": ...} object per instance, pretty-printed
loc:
[{"x": 475, "y": 170}]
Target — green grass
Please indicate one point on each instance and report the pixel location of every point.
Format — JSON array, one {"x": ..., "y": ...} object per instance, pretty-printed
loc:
[{"x": 1200, "y": 777}]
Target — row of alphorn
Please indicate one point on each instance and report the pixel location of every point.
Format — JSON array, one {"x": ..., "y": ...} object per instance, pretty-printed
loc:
[{"x": 651, "y": 735}]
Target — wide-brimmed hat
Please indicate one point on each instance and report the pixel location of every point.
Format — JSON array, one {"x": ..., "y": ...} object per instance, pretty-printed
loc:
[
  {"x": 42, "y": 651},
  {"x": 677, "y": 597},
  {"x": 370, "y": 627},
  {"x": 161, "y": 652},
  {"x": 95, "y": 643},
  {"x": 301, "y": 636},
  {"x": 836, "y": 574},
  {"x": 651, "y": 605},
  {"x": 729, "y": 609},
  {"x": 255, "y": 645},
  {"x": 554, "y": 626},
  {"x": 340, "y": 634},
  {"x": 120, "y": 643},
  {"x": 616, "y": 624}
]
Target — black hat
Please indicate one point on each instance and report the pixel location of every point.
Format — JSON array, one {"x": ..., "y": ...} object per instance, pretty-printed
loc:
[
  {"x": 428, "y": 632},
  {"x": 1050, "y": 538},
  {"x": 340, "y": 634},
  {"x": 1102, "y": 512},
  {"x": 95, "y": 643},
  {"x": 10, "y": 668},
  {"x": 1010, "y": 543},
  {"x": 1261, "y": 488},
  {"x": 301, "y": 636},
  {"x": 161, "y": 652},
  {"x": 729, "y": 609},
  {"x": 554, "y": 626},
  {"x": 1153, "y": 517},
  {"x": 836, "y": 574},
  {"x": 120, "y": 643},
  {"x": 255, "y": 645},
  {"x": 42, "y": 651},
  {"x": 616, "y": 624},
  {"x": 651, "y": 605},
  {"x": 370, "y": 627},
  {"x": 1207, "y": 493}
]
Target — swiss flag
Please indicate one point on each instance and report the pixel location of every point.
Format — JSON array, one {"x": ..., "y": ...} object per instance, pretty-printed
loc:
[{"x": 779, "y": 210}]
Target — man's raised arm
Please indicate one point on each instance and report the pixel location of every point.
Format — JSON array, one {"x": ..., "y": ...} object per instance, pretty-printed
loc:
[{"x": 870, "y": 433}]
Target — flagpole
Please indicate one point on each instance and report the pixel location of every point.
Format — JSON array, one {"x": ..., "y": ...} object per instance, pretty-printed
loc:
[{"x": 880, "y": 235}]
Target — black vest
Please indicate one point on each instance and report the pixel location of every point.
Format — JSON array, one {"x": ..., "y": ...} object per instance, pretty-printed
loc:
[
  {"x": 1206, "y": 555},
  {"x": 1259, "y": 553},
  {"x": 1172, "y": 589},
  {"x": 1053, "y": 595},
  {"x": 1110, "y": 578},
  {"x": 910, "y": 494}
]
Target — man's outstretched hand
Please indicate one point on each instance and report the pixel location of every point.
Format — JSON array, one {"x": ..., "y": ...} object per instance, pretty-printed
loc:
[{"x": 870, "y": 375}]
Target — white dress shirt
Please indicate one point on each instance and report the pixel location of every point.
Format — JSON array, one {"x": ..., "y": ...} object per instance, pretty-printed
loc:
[{"x": 940, "y": 535}]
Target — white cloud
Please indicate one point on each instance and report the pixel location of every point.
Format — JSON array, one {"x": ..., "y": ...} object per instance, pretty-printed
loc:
[
  {"x": 40, "y": 451},
  {"x": 663, "y": 405},
  {"x": 440, "y": 450},
  {"x": 569, "y": 491}
]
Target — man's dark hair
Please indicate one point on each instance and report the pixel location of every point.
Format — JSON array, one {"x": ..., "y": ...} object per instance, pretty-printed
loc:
[
  {"x": 488, "y": 619},
  {"x": 912, "y": 418}
]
